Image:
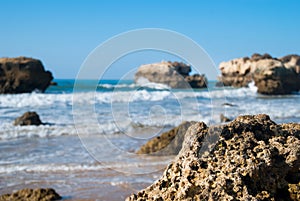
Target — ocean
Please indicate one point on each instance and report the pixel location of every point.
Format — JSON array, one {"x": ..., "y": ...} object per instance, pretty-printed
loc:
[{"x": 85, "y": 150}]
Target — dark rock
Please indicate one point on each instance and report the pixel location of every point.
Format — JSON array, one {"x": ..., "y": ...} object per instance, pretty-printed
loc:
[
  {"x": 180, "y": 67},
  {"x": 28, "y": 118},
  {"x": 224, "y": 119},
  {"x": 173, "y": 74},
  {"x": 196, "y": 81},
  {"x": 256, "y": 56},
  {"x": 252, "y": 159},
  {"x": 229, "y": 105},
  {"x": 39, "y": 194},
  {"x": 53, "y": 83},
  {"x": 168, "y": 143},
  {"x": 23, "y": 75}
]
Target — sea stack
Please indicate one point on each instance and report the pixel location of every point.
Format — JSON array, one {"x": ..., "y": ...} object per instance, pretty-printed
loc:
[
  {"x": 23, "y": 75},
  {"x": 272, "y": 76},
  {"x": 173, "y": 74}
]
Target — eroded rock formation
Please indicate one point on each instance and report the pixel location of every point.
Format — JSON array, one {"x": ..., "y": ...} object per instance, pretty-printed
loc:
[
  {"x": 272, "y": 76},
  {"x": 252, "y": 159},
  {"x": 23, "y": 75},
  {"x": 173, "y": 74}
]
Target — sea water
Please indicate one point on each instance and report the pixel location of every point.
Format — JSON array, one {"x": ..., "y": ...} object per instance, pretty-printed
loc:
[{"x": 87, "y": 153}]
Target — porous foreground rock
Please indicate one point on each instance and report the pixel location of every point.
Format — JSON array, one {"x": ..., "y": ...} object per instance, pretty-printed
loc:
[
  {"x": 173, "y": 74},
  {"x": 28, "y": 118},
  {"x": 168, "y": 143},
  {"x": 23, "y": 75},
  {"x": 272, "y": 76},
  {"x": 39, "y": 194},
  {"x": 252, "y": 159}
]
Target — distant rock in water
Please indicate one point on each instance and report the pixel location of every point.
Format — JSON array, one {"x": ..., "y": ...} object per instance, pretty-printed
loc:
[
  {"x": 229, "y": 105},
  {"x": 173, "y": 74},
  {"x": 252, "y": 159},
  {"x": 272, "y": 76},
  {"x": 168, "y": 143},
  {"x": 23, "y": 75},
  {"x": 224, "y": 119},
  {"x": 53, "y": 83},
  {"x": 28, "y": 118},
  {"x": 39, "y": 194}
]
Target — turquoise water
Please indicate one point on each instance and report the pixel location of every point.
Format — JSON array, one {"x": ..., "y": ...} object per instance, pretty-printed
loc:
[{"x": 86, "y": 149}]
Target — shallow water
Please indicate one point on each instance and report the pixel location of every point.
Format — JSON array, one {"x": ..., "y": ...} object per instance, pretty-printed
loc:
[
  {"x": 93, "y": 157},
  {"x": 64, "y": 164}
]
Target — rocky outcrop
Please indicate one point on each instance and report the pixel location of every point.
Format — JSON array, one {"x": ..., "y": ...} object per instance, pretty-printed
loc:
[
  {"x": 173, "y": 74},
  {"x": 272, "y": 76},
  {"x": 23, "y": 75},
  {"x": 252, "y": 158},
  {"x": 28, "y": 118},
  {"x": 236, "y": 73},
  {"x": 168, "y": 143},
  {"x": 39, "y": 194}
]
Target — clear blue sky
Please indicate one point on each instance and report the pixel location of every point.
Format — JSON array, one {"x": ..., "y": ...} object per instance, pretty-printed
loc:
[{"x": 63, "y": 33}]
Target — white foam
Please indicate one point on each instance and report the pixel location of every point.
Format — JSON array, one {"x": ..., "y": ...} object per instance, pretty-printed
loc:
[
  {"x": 144, "y": 82},
  {"x": 71, "y": 167},
  {"x": 64, "y": 100},
  {"x": 141, "y": 82},
  {"x": 56, "y": 109},
  {"x": 34, "y": 99},
  {"x": 252, "y": 86},
  {"x": 8, "y": 131},
  {"x": 117, "y": 86}
]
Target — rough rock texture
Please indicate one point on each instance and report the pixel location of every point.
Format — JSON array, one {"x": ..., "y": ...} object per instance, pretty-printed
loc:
[
  {"x": 23, "y": 75},
  {"x": 272, "y": 76},
  {"x": 28, "y": 118},
  {"x": 252, "y": 159},
  {"x": 173, "y": 74},
  {"x": 39, "y": 194},
  {"x": 168, "y": 143}
]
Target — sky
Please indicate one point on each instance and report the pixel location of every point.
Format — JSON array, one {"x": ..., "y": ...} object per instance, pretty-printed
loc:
[{"x": 63, "y": 33}]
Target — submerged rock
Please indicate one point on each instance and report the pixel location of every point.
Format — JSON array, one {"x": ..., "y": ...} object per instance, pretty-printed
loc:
[
  {"x": 23, "y": 75},
  {"x": 168, "y": 143},
  {"x": 272, "y": 76},
  {"x": 39, "y": 194},
  {"x": 173, "y": 74},
  {"x": 224, "y": 119},
  {"x": 28, "y": 118},
  {"x": 252, "y": 159}
]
